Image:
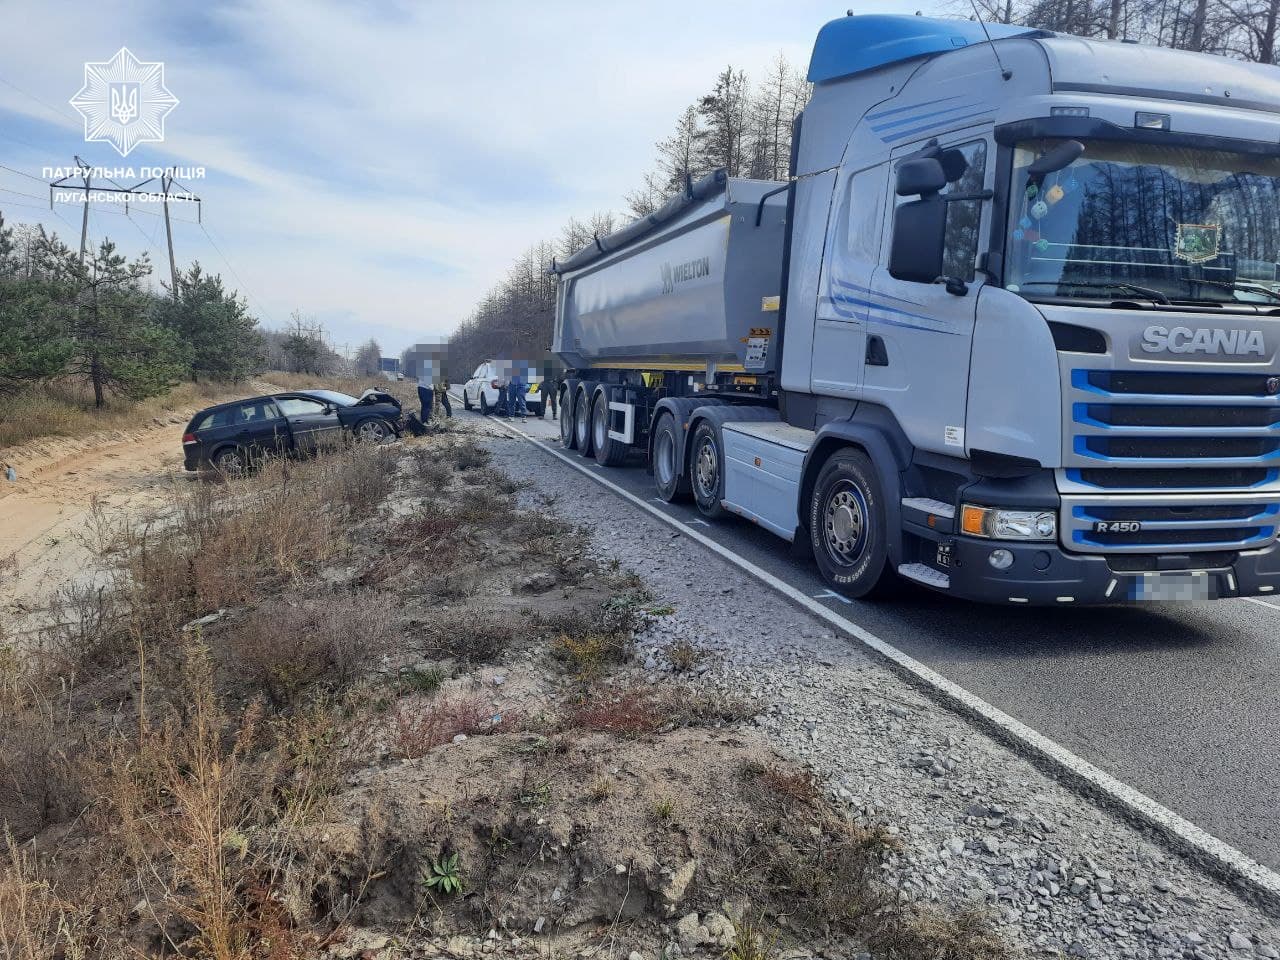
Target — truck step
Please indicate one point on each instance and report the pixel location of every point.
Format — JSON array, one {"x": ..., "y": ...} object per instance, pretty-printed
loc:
[
  {"x": 926, "y": 575},
  {"x": 927, "y": 505}
]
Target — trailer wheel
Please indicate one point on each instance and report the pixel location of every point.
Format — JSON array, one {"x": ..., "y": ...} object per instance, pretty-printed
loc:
[
  {"x": 706, "y": 471},
  {"x": 847, "y": 526},
  {"x": 671, "y": 482},
  {"x": 609, "y": 452},
  {"x": 567, "y": 435},
  {"x": 582, "y": 422}
]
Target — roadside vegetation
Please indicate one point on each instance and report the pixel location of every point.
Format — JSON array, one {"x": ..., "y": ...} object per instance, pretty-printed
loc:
[
  {"x": 364, "y": 705},
  {"x": 92, "y": 346}
]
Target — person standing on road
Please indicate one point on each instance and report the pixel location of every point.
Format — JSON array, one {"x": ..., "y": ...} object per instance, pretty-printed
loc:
[
  {"x": 426, "y": 392},
  {"x": 442, "y": 394},
  {"x": 516, "y": 389},
  {"x": 550, "y": 392}
]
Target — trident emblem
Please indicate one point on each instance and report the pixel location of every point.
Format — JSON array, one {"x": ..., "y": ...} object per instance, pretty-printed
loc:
[{"x": 124, "y": 102}]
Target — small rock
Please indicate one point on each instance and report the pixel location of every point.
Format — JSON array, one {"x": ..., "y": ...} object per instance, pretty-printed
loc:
[
  {"x": 720, "y": 930},
  {"x": 1238, "y": 941},
  {"x": 460, "y": 738},
  {"x": 535, "y": 583},
  {"x": 955, "y": 846},
  {"x": 539, "y": 924},
  {"x": 1161, "y": 884},
  {"x": 691, "y": 933},
  {"x": 620, "y": 868},
  {"x": 635, "y": 955}
]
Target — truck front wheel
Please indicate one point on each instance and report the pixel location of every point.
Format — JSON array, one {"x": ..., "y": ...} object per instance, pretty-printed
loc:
[
  {"x": 847, "y": 525},
  {"x": 706, "y": 471},
  {"x": 670, "y": 481}
]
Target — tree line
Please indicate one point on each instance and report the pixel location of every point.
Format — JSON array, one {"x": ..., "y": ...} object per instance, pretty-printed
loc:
[
  {"x": 93, "y": 319},
  {"x": 740, "y": 125},
  {"x": 1244, "y": 29}
]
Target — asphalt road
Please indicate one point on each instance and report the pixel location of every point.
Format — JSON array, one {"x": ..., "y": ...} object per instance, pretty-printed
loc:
[{"x": 1181, "y": 703}]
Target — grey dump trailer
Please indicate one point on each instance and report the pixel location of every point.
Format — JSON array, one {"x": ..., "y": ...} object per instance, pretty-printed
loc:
[{"x": 1009, "y": 330}]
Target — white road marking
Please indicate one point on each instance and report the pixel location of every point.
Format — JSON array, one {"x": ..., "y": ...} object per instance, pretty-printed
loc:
[
  {"x": 1191, "y": 838},
  {"x": 1262, "y": 603},
  {"x": 832, "y": 595},
  {"x": 702, "y": 523}
]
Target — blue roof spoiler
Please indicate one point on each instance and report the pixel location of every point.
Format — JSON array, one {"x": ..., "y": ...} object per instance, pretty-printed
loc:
[{"x": 854, "y": 44}]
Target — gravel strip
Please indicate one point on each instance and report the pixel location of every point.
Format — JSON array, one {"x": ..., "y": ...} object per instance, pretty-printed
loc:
[{"x": 980, "y": 825}]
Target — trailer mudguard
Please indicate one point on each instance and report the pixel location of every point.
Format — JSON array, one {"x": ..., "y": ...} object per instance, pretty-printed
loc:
[{"x": 876, "y": 431}]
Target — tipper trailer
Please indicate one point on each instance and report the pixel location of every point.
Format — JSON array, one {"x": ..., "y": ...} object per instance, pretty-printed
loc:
[{"x": 1009, "y": 330}]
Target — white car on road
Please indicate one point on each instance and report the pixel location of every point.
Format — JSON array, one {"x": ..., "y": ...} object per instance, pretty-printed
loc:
[{"x": 487, "y": 389}]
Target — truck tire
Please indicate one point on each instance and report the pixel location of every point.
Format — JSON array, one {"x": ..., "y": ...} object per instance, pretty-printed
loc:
[
  {"x": 608, "y": 452},
  {"x": 567, "y": 436},
  {"x": 671, "y": 482},
  {"x": 706, "y": 471},
  {"x": 582, "y": 422},
  {"x": 847, "y": 527}
]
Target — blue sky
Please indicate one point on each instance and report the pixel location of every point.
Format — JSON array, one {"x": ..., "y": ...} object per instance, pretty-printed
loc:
[{"x": 379, "y": 164}]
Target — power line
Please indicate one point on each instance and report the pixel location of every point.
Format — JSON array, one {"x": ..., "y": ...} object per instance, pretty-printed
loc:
[
  {"x": 244, "y": 286},
  {"x": 21, "y": 173},
  {"x": 60, "y": 114}
]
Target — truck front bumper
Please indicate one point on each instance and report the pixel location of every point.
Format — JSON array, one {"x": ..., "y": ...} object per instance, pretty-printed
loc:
[{"x": 1045, "y": 574}]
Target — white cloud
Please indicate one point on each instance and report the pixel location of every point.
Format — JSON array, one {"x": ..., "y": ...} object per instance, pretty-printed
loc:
[{"x": 345, "y": 141}]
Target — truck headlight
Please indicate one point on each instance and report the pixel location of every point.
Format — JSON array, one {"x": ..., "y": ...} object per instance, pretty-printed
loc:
[{"x": 996, "y": 524}]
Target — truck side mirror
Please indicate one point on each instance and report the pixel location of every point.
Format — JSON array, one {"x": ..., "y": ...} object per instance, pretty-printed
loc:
[
  {"x": 918, "y": 235},
  {"x": 919, "y": 226},
  {"x": 919, "y": 177}
]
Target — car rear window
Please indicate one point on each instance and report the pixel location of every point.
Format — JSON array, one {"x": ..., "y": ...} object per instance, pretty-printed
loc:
[{"x": 246, "y": 413}]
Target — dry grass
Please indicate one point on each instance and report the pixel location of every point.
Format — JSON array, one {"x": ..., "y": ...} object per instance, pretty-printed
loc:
[
  {"x": 35, "y": 923},
  {"x": 66, "y": 410},
  {"x": 236, "y": 542},
  {"x": 418, "y": 726},
  {"x": 285, "y": 649}
]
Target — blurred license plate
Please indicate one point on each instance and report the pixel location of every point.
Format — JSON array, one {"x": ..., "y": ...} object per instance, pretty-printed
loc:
[{"x": 1175, "y": 586}]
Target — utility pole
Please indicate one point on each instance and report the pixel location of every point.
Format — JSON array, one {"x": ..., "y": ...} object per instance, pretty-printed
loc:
[
  {"x": 166, "y": 182},
  {"x": 166, "y": 193},
  {"x": 84, "y": 222}
]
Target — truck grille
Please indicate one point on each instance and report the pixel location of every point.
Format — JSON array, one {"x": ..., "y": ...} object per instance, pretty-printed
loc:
[
  {"x": 1169, "y": 523},
  {"x": 1189, "y": 458}
]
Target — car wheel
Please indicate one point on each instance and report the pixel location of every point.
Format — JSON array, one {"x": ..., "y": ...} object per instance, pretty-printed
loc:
[
  {"x": 231, "y": 461},
  {"x": 484, "y": 404},
  {"x": 466, "y": 399},
  {"x": 609, "y": 452},
  {"x": 567, "y": 435},
  {"x": 582, "y": 422},
  {"x": 706, "y": 471},
  {"x": 847, "y": 526},
  {"x": 672, "y": 483},
  {"x": 373, "y": 430}
]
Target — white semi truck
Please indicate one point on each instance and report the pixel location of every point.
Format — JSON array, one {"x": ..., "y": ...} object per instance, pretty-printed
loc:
[{"x": 1009, "y": 330}]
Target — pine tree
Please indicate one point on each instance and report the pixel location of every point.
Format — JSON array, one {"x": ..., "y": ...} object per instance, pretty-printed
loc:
[{"x": 220, "y": 338}]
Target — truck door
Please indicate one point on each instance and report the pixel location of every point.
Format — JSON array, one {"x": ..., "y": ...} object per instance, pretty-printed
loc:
[
  {"x": 852, "y": 252},
  {"x": 922, "y": 372}
]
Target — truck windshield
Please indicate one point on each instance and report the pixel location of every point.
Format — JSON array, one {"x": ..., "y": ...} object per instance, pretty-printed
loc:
[{"x": 1140, "y": 221}]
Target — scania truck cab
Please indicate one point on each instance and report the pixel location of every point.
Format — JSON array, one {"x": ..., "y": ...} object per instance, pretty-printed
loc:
[{"x": 1010, "y": 330}]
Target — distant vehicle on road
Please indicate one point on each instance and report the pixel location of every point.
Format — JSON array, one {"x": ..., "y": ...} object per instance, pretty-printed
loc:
[
  {"x": 487, "y": 390},
  {"x": 229, "y": 437}
]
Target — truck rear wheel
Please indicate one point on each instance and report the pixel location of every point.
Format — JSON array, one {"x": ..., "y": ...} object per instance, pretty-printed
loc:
[
  {"x": 609, "y": 452},
  {"x": 847, "y": 526},
  {"x": 582, "y": 422},
  {"x": 706, "y": 471},
  {"x": 567, "y": 436},
  {"x": 671, "y": 482}
]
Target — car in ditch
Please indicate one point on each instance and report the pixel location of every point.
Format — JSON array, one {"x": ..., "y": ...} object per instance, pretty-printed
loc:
[{"x": 230, "y": 437}]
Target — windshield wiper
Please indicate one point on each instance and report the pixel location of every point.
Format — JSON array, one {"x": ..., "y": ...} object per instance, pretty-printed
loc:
[
  {"x": 1147, "y": 292},
  {"x": 1241, "y": 285}
]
